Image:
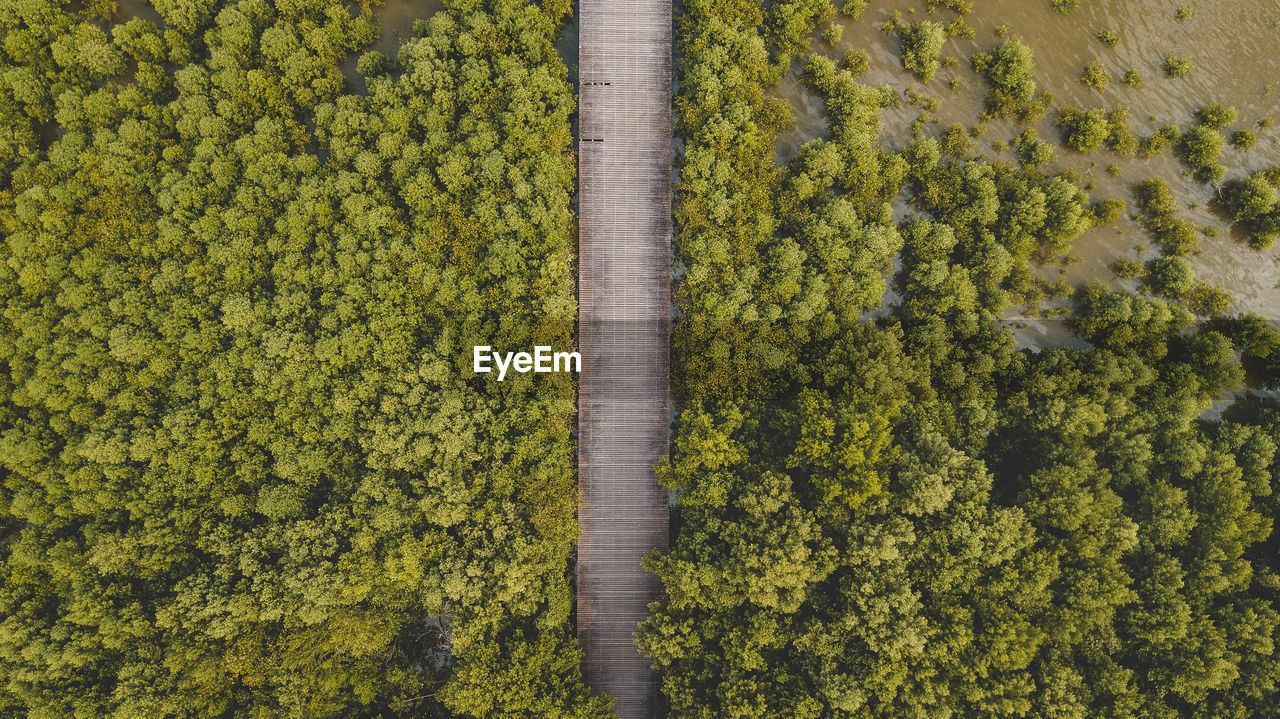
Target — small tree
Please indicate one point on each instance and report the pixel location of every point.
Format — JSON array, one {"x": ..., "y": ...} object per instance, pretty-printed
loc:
[
  {"x": 1216, "y": 116},
  {"x": 1083, "y": 130},
  {"x": 1095, "y": 76},
  {"x": 921, "y": 48},
  {"x": 1177, "y": 66}
]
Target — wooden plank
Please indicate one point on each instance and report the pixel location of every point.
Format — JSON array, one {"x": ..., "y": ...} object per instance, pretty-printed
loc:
[{"x": 624, "y": 216}]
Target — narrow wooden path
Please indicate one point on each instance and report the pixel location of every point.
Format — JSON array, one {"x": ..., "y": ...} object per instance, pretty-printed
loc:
[{"x": 624, "y": 61}]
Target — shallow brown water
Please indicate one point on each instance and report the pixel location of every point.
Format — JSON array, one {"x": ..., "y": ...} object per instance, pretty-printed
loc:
[
  {"x": 1235, "y": 48},
  {"x": 127, "y": 10},
  {"x": 395, "y": 20}
]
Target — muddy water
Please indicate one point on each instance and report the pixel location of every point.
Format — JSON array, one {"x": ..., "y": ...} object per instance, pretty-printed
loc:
[
  {"x": 127, "y": 10},
  {"x": 567, "y": 45},
  {"x": 395, "y": 21},
  {"x": 1235, "y": 48},
  {"x": 396, "y": 18}
]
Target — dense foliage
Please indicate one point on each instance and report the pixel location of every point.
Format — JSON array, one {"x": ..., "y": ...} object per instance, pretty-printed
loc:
[
  {"x": 246, "y": 468},
  {"x": 246, "y": 471},
  {"x": 885, "y": 508}
]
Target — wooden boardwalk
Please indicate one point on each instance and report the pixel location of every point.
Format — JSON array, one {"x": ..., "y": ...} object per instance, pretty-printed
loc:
[{"x": 624, "y": 60}]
